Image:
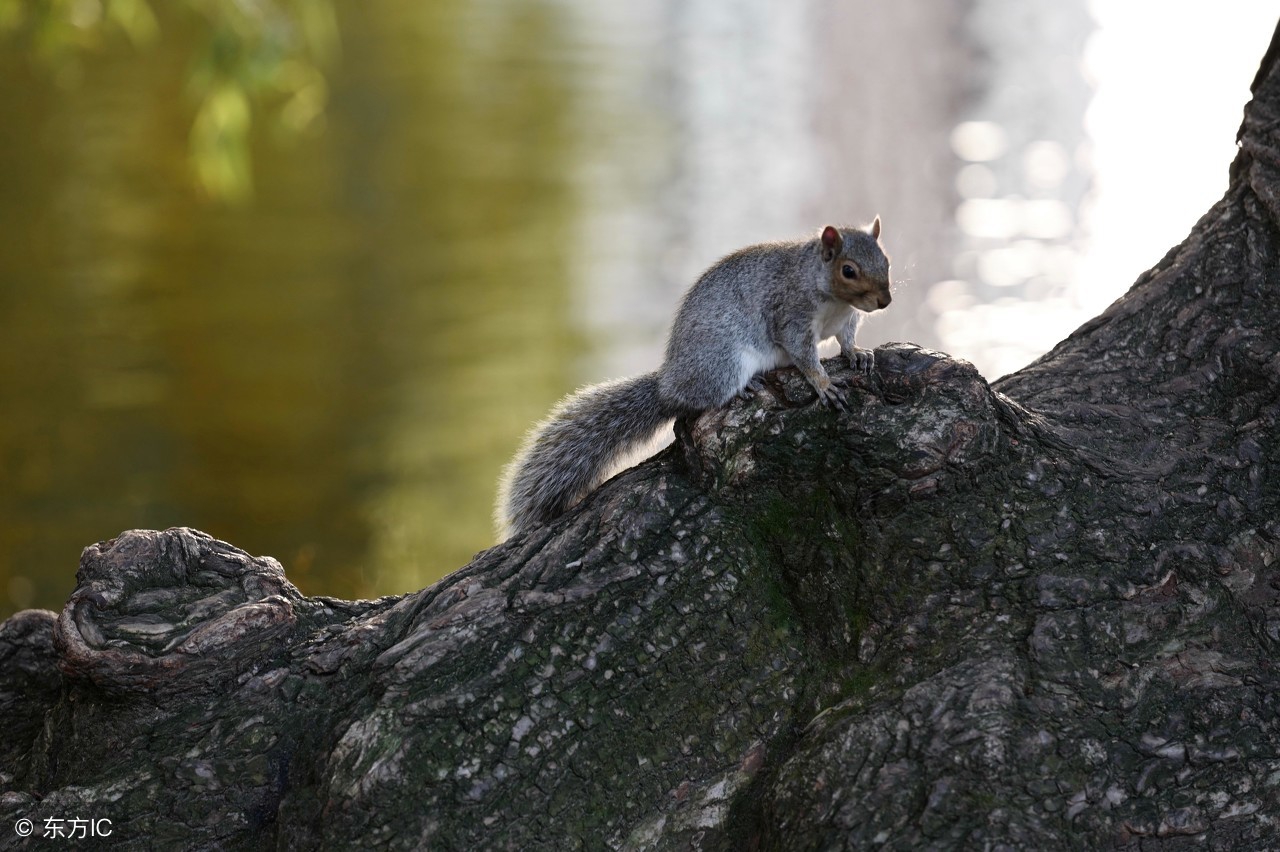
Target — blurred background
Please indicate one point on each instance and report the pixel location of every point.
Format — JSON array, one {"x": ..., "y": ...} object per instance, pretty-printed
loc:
[{"x": 301, "y": 273}]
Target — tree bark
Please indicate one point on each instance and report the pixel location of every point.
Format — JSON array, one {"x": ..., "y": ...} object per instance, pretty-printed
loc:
[{"x": 1039, "y": 614}]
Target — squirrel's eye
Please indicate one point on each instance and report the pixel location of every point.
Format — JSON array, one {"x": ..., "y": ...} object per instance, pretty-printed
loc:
[{"x": 848, "y": 271}]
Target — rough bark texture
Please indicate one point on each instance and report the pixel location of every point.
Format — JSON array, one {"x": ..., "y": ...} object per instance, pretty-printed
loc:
[{"x": 1037, "y": 615}]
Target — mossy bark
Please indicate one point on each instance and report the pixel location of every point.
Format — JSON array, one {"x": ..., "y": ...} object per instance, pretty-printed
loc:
[{"x": 1040, "y": 614}]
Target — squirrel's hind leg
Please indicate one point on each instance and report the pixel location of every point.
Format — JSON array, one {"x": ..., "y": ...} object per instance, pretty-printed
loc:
[
  {"x": 710, "y": 380},
  {"x": 754, "y": 386}
]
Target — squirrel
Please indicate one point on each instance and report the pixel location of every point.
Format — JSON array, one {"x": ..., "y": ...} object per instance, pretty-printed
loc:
[{"x": 762, "y": 307}]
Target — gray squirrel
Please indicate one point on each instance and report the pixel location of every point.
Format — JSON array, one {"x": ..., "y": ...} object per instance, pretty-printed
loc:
[{"x": 762, "y": 307}]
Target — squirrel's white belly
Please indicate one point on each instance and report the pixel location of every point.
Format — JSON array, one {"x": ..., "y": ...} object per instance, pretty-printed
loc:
[{"x": 752, "y": 361}]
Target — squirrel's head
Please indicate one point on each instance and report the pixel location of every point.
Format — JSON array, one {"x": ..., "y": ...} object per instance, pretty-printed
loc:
[{"x": 858, "y": 266}]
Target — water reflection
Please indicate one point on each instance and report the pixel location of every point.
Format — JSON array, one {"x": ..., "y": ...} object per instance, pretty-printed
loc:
[{"x": 332, "y": 375}]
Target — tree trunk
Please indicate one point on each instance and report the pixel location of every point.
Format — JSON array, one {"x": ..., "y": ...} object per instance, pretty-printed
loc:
[{"x": 1040, "y": 614}]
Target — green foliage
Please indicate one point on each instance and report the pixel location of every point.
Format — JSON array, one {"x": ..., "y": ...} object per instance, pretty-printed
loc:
[{"x": 261, "y": 59}]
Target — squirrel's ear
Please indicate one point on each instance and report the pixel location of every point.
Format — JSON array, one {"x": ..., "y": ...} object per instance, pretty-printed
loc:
[
  {"x": 832, "y": 242},
  {"x": 874, "y": 230}
]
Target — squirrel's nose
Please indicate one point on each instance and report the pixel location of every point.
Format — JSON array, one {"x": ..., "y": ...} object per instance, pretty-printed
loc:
[{"x": 884, "y": 300}]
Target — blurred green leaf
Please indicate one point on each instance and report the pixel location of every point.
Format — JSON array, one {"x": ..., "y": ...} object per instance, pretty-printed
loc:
[
  {"x": 306, "y": 94},
  {"x": 136, "y": 19},
  {"x": 262, "y": 58},
  {"x": 220, "y": 144}
]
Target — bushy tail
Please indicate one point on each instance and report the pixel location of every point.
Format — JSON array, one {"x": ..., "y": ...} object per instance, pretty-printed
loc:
[{"x": 567, "y": 456}]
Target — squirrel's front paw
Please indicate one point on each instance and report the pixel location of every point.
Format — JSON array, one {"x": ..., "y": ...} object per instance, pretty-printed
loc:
[
  {"x": 862, "y": 360},
  {"x": 833, "y": 396}
]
